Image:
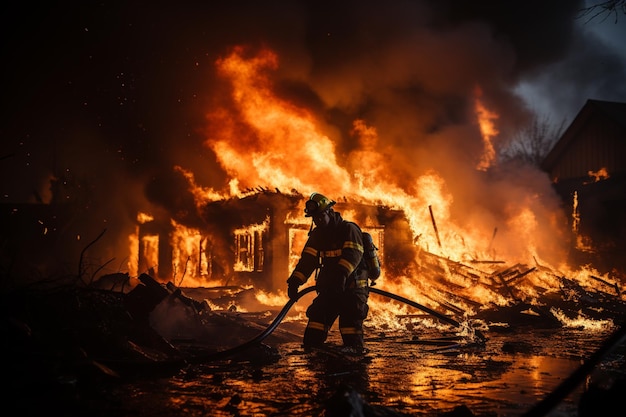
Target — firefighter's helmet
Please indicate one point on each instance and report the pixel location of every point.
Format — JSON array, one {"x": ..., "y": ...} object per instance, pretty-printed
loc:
[{"x": 317, "y": 204}]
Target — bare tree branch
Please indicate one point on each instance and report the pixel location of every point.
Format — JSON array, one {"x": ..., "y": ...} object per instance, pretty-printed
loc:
[
  {"x": 82, "y": 253},
  {"x": 604, "y": 9},
  {"x": 532, "y": 143}
]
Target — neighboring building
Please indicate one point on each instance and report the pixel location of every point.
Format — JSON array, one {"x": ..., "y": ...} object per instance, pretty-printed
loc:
[{"x": 588, "y": 168}]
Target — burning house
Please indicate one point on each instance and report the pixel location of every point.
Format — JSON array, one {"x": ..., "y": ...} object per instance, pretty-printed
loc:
[
  {"x": 256, "y": 240},
  {"x": 152, "y": 145}
]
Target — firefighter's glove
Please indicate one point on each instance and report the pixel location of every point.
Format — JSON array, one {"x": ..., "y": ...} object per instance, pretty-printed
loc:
[{"x": 293, "y": 284}]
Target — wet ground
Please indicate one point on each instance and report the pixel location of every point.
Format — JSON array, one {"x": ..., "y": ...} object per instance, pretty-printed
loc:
[
  {"x": 399, "y": 375},
  {"x": 76, "y": 353}
]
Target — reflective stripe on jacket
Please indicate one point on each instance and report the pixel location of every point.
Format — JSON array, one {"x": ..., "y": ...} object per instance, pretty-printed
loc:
[{"x": 340, "y": 244}]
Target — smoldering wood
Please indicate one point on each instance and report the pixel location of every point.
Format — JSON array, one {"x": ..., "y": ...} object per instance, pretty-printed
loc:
[
  {"x": 609, "y": 284},
  {"x": 507, "y": 288},
  {"x": 464, "y": 299},
  {"x": 478, "y": 261},
  {"x": 451, "y": 307},
  {"x": 520, "y": 275},
  {"x": 432, "y": 218}
]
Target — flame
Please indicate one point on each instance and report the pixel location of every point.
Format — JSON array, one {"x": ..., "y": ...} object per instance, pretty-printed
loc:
[
  {"x": 133, "y": 250},
  {"x": 601, "y": 174},
  {"x": 281, "y": 144},
  {"x": 275, "y": 142},
  {"x": 582, "y": 322},
  {"x": 144, "y": 218},
  {"x": 247, "y": 242},
  {"x": 189, "y": 254},
  {"x": 269, "y": 299},
  {"x": 260, "y": 138},
  {"x": 150, "y": 245},
  {"x": 575, "y": 213},
  {"x": 201, "y": 194},
  {"x": 488, "y": 130},
  {"x": 582, "y": 242}
]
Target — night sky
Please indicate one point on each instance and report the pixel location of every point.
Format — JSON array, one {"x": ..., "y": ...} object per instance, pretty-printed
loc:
[{"x": 109, "y": 96}]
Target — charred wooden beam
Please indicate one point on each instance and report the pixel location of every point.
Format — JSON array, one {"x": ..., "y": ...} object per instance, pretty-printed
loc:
[
  {"x": 613, "y": 285},
  {"x": 498, "y": 278},
  {"x": 451, "y": 307},
  {"x": 143, "y": 298},
  {"x": 448, "y": 283},
  {"x": 520, "y": 275},
  {"x": 476, "y": 261},
  {"x": 507, "y": 288},
  {"x": 195, "y": 305},
  {"x": 509, "y": 273},
  {"x": 464, "y": 299},
  {"x": 455, "y": 266},
  {"x": 432, "y": 218}
]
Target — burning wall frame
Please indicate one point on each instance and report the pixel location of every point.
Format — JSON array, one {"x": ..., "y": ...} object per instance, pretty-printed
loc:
[{"x": 256, "y": 240}]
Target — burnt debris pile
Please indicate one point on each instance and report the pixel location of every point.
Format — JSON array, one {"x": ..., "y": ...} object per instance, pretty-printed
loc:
[
  {"x": 533, "y": 295},
  {"x": 160, "y": 324}
]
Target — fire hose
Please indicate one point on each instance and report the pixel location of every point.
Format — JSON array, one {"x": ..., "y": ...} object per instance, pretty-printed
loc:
[
  {"x": 440, "y": 316},
  {"x": 281, "y": 315}
]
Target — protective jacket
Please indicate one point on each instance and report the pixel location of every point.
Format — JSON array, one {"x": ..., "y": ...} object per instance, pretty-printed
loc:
[{"x": 338, "y": 251}]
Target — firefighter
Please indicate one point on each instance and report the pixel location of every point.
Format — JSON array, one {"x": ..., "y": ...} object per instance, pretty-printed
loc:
[{"x": 335, "y": 249}]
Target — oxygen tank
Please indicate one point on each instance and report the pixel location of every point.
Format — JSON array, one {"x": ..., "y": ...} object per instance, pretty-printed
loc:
[{"x": 370, "y": 255}]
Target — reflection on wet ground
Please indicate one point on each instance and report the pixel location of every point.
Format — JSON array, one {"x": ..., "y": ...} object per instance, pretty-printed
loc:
[{"x": 506, "y": 376}]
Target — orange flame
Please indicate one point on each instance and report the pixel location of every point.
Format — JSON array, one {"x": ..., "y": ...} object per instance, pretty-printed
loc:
[
  {"x": 601, "y": 174},
  {"x": 261, "y": 139},
  {"x": 276, "y": 142},
  {"x": 582, "y": 242},
  {"x": 488, "y": 130}
]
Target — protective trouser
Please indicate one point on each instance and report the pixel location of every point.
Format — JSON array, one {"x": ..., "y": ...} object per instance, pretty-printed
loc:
[{"x": 351, "y": 308}]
